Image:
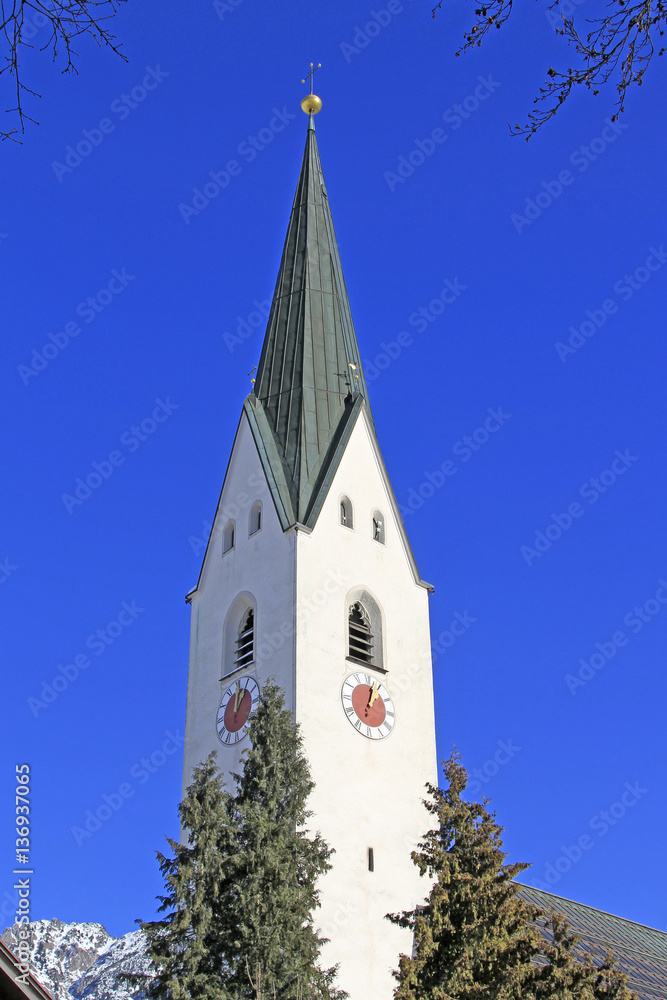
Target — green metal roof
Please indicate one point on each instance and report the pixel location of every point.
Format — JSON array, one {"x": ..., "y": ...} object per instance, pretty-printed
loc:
[
  {"x": 640, "y": 951},
  {"x": 301, "y": 410}
]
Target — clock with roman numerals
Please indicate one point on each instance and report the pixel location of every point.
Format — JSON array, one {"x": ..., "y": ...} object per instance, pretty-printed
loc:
[
  {"x": 368, "y": 706},
  {"x": 238, "y": 703}
]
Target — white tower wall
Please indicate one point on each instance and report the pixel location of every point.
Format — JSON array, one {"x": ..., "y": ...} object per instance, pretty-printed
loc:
[
  {"x": 260, "y": 566},
  {"x": 368, "y": 793}
]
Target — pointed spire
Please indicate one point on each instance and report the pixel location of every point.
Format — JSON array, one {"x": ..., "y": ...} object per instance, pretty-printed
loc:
[{"x": 309, "y": 379}]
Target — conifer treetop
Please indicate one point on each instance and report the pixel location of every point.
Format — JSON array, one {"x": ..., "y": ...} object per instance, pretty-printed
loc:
[
  {"x": 241, "y": 894},
  {"x": 474, "y": 937}
]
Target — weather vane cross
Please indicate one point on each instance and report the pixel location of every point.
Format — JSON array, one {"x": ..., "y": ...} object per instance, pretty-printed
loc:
[
  {"x": 310, "y": 74},
  {"x": 311, "y": 103}
]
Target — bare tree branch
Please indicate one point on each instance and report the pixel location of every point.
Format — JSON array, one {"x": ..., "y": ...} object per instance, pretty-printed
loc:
[
  {"x": 618, "y": 47},
  {"x": 64, "y": 20}
]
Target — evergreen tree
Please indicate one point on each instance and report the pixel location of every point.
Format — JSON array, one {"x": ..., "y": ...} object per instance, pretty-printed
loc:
[
  {"x": 189, "y": 947},
  {"x": 609, "y": 982},
  {"x": 241, "y": 894},
  {"x": 475, "y": 938}
]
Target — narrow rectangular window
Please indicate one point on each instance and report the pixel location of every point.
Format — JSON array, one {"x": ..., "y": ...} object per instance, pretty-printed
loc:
[{"x": 371, "y": 860}]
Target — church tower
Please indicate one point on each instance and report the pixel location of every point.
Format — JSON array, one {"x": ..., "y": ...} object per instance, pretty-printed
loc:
[{"x": 309, "y": 578}]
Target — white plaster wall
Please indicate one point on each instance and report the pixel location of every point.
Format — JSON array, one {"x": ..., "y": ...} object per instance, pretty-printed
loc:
[
  {"x": 368, "y": 793},
  {"x": 262, "y": 565}
]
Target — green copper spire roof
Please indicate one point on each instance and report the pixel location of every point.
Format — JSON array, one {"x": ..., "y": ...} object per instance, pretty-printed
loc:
[{"x": 309, "y": 386}]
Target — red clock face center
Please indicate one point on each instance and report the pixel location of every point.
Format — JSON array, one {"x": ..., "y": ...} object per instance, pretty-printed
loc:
[
  {"x": 234, "y": 720},
  {"x": 372, "y": 715}
]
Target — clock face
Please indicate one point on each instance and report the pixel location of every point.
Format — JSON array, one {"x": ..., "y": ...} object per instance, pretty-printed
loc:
[
  {"x": 368, "y": 706},
  {"x": 238, "y": 703}
]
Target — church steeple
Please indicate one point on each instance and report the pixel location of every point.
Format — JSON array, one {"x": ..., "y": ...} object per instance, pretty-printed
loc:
[
  {"x": 309, "y": 386},
  {"x": 309, "y": 579}
]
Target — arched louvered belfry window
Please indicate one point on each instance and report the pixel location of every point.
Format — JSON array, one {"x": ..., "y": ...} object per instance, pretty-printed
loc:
[
  {"x": 228, "y": 534},
  {"x": 378, "y": 526},
  {"x": 239, "y": 635},
  {"x": 360, "y": 636},
  {"x": 245, "y": 644},
  {"x": 346, "y": 515},
  {"x": 364, "y": 622}
]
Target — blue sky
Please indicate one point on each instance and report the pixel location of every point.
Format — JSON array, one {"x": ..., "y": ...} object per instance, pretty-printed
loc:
[{"x": 532, "y": 474}]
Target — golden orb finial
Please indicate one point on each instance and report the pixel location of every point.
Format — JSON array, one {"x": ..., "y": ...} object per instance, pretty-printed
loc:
[{"x": 311, "y": 103}]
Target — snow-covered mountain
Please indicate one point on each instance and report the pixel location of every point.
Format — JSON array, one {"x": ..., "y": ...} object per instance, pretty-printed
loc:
[{"x": 82, "y": 961}]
